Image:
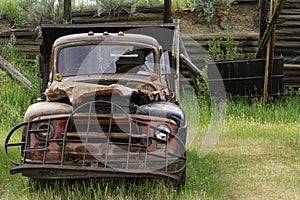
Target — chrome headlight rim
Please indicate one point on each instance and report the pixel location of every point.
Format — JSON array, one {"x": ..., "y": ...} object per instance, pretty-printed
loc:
[
  {"x": 162, "y": 135},
  {"x": 41, "y": 135}
]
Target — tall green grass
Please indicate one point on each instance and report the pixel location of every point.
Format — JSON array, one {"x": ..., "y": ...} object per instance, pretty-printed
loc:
[
  {"x": 15, "y": 98},
  {"x": 9, "y": 9},
  {"x": 283, "y": 110}
]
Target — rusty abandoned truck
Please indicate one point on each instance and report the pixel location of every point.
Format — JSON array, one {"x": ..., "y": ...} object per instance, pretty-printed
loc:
[{"x": 107, "y": 107}]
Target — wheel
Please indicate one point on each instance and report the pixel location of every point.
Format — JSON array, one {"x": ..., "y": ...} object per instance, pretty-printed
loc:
[{"x": 182, "y": 179}]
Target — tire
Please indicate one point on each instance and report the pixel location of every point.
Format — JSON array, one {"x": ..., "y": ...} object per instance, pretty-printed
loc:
[{"x": 182, "y": 179}]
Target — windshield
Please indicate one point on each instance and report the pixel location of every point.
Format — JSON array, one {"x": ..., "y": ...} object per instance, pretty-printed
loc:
[{"x": 105, "y": 59}]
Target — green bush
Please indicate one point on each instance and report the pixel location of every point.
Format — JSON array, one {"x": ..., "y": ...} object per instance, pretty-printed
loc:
[
  {"x": 221, "y": 50},
  {"x": 9, "y": 10},
  {"x": 113, "y": 6},
  {"x": 207, "y": 7},
  {"x": 41, "y": 12}
]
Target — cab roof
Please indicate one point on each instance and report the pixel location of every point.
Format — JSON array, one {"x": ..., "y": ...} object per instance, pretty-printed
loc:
[
  {"x": 51, "y": 32},
  {"x": 120, "y": 37}
]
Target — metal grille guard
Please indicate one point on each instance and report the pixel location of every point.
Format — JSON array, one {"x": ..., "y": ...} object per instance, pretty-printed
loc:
[{"x": 116, "y": 157}]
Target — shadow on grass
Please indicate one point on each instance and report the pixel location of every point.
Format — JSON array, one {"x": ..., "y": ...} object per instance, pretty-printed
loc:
[{"x": 202, "y": 182}]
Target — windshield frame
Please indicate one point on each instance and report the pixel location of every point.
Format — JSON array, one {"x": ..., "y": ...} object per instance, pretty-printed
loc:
[{"x": 56, "y": 51}]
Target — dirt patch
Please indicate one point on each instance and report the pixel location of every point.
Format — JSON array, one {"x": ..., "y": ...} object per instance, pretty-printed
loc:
[{"x": 240, "y": 18}]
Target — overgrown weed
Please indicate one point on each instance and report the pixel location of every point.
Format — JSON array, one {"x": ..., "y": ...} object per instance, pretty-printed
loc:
[
  {"x": 14, "y": 98},
  {"x": 9, "y": 10},
  {"x": 222, "y": 49}
]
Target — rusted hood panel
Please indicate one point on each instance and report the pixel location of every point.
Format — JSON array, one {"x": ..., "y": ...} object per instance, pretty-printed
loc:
[
  {"x": 79, "y": 88},
  {"x": 76, "y": 90}
]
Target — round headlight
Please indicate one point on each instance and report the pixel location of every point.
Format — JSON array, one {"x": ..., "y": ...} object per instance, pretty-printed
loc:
[
  {"x": 42, "y": 131},
  {"x": 160, "y": 134}
]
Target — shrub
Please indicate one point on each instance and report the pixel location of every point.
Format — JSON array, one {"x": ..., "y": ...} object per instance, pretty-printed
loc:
[
  {"x": 9, "y": 10},
  {"x": 221, "y": 50},
  {"x": 41, "y": 12},
  {"x": 207, "y": 7},
  {"x": 113, "y": 6}
]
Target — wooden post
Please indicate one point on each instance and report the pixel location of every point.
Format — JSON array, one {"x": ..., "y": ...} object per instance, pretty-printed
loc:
[
  {"x": 167, "y": 11},
  {"x": 270, "y": 55},
  {"x": 272, "y": 50},
  {"x": 68, "y": 11},
  {"x": 15, "y": 74},
  {"x": 263, "y": 17},
  {"x": 269, "y": 29},
  {"x": 176, "y": 52}
]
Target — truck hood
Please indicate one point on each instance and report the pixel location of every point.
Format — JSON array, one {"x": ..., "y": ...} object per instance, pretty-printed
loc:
[{"x": 75, "y": 89}]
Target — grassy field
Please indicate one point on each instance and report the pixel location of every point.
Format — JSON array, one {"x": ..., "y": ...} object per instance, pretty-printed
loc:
[{"x": 256, "y": 157}]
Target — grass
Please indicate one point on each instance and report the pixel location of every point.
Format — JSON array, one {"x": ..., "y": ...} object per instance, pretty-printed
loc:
[
  {"x": 14, "y": 97},
  {"x": 9, "y": 10},
  {"x": 256, "y": 157}
]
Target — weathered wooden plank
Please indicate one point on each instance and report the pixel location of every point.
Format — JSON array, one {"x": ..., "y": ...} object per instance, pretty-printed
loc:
[
  {"x": 288, "y": 44},
  {"x": 21, "y": 41},
  {"x": 289, "y": 24},
  {"x": 292, "y": 11},
  {"x": 27, "y": 47},
  {"x": 14, "y": 73},
  {"x": 288, "y": 38},
  {"x": 288, "y": 50},
  {"x": 292, "y": 5},
  {"x": 18, "y": 33},
  {"x": 287, "y": 32},
  {"x": 80, "y": 13},
  {"x": 237, "y": 37},
  {"x": 291, "y": 67},
  {"x": 290, "y": 17},
  {"x": 293, "y": 80},
  {"x": 292, "y": 73},
  {"x": 241, "y": 44}
]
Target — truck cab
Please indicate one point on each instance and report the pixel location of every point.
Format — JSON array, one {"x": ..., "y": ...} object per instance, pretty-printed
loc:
[{"x": 107, "y": 108}]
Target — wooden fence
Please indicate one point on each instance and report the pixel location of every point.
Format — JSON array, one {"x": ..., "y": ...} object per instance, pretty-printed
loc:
[
  {"x": 246, "y": 77},
  {"x": 287, "y": 37},
  {"x": 288, "y": 42},
  {"x": 25, "y": 40},
  {"x": 288, "y": 32},
  {"x": 248, "y": 43}
]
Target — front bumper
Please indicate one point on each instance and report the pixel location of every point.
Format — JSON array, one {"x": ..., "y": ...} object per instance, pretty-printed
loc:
[{"x": 49, "y": 171}]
